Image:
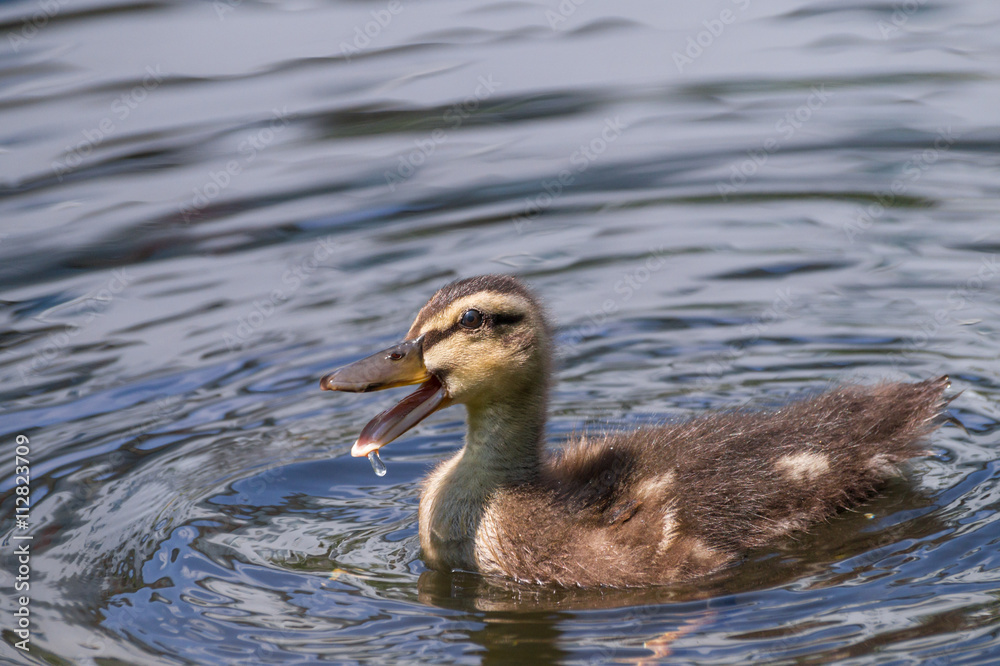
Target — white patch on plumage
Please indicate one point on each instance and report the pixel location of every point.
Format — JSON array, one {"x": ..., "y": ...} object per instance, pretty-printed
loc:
[
  {"x": 669, "y": 533},
  {"x": 784, "y": 526},
  {"x": 804, "y": 466},
  {"x": 701, "y": 552},
  {"x": 655, "y": 489},
  {"x": 883, "y": 465}
]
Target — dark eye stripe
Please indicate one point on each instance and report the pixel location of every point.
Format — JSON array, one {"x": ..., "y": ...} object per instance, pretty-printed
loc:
[
  {"x": 431, "y": 338},
  {"x": 504, "y": 319},
  {"x": 435, "y": 336}
]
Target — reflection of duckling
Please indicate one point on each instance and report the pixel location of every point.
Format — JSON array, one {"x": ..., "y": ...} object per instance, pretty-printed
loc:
[{"x": 656, "y": 505}]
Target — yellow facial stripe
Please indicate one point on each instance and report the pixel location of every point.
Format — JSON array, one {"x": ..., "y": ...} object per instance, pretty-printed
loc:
[{"x": 487, "y": 301}]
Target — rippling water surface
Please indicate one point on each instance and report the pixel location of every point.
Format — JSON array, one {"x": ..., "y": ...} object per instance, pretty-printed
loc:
[{"x": 205, "y": 206}]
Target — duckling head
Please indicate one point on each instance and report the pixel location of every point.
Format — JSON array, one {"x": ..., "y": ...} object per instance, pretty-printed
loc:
[{"x": 482, "y": 342}]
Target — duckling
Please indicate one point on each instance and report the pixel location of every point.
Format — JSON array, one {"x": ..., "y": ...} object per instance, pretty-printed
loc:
[{"x": 654, "y": 506}]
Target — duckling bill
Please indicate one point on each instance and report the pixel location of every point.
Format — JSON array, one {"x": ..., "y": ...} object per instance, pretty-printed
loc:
[
  {"x": 397, "y": 366},
  {"x": 654, "y": 506}
]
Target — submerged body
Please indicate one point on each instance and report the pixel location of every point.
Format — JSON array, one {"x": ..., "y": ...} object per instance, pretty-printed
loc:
[{"x": 652, "y": 506}]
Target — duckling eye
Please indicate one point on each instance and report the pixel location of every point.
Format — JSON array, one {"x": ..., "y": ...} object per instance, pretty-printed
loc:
[{"x": 471, "y": 319}]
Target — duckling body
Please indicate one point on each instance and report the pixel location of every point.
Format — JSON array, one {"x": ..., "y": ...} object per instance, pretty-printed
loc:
[
  {"x": 665, "y": 504},
  {"x": 652, "y": 506}
]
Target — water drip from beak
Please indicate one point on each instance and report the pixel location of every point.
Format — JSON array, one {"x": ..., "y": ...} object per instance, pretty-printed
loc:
[{"x": 377, "y": 463}]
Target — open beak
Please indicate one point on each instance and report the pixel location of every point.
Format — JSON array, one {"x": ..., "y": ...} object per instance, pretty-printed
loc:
[{"x": 401, "y": 365}]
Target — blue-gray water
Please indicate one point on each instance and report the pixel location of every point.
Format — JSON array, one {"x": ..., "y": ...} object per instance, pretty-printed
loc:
[{"x": 204, "y": 206}]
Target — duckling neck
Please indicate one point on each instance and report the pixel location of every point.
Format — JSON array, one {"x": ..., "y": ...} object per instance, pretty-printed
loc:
[
  {"x": 502, "y": 449},
  {"x": 504, "y": 441}
]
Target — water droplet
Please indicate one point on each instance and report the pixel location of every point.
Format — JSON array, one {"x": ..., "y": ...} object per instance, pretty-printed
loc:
[{"x": 377, "y": 463}]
